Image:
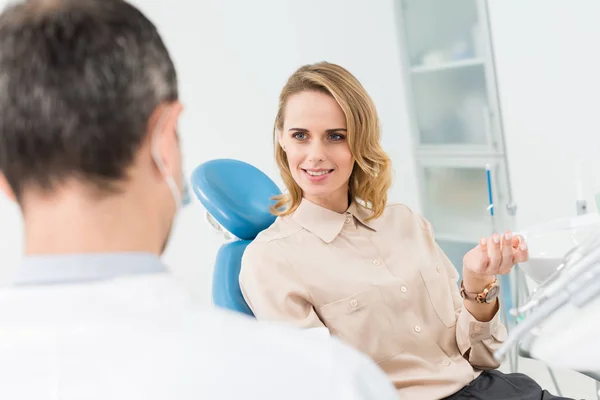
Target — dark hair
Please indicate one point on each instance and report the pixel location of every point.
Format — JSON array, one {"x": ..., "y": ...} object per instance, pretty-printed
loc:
[{"x": 79, "y": 80}]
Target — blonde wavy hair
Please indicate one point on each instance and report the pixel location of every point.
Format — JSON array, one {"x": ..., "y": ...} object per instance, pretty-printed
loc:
[{"x": 371, "y": 175}]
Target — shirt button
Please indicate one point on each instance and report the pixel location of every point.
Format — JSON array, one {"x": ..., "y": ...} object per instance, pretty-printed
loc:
[
  {"x": 417, "y": 329},
  {"x": 437, "y": 269},
  {"x": 348, "y": 219},
  {"x": 446, "y": 362},
  {"x": 353, "y": 303},
  {"x": 403, "y": 289},
  {"x": 376, "y": 262}
]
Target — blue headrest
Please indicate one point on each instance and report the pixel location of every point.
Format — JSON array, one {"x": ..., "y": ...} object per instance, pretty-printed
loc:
[{"x": 236, "y": 194}]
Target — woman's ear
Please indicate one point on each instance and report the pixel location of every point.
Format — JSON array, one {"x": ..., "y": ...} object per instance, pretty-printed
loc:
[
  {"x": 6, "y": 189},
  {"x": 280, "y": 139}
]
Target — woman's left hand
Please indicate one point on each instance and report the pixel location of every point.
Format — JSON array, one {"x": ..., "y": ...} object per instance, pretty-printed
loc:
[{"x": 495, "y": 255}]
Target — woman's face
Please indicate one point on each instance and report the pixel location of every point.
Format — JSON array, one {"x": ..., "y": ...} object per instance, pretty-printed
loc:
[{"x": 314, "y": 139}]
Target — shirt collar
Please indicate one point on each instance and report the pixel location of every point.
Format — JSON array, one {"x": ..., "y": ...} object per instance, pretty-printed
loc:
[
  {"x": 75, "y": 268},
  {"x": 328, "y": 224}
]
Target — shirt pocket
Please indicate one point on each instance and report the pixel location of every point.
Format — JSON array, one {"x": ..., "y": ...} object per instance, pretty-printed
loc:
[
  {"x": 438, "y": 290},
  {"x": 363, "y": 321}
]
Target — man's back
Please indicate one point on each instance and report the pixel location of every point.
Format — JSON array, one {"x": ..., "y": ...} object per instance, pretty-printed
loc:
[{"x": 140, "y": 337}]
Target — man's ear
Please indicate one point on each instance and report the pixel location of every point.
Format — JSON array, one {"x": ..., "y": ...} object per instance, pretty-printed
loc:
[
  {"x": 172, "y": 117},
  {"x": 6, "y": 189},
  {"x": 166, "y": 140}
]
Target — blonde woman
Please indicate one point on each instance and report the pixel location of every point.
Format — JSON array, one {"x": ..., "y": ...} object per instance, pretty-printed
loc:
[{"x": 339, "y": 257}]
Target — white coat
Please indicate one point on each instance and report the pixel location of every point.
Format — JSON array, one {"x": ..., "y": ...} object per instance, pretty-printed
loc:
[{"x": 118, "y": 326}]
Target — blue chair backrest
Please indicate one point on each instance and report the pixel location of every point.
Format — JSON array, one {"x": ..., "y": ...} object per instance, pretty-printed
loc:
[{"x": 238, "y": 197}]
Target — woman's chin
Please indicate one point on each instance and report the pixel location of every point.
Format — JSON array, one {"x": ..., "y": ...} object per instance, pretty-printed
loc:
[
  {"x": 320, "y": 193},
  {"x": 308, "y": 193}
]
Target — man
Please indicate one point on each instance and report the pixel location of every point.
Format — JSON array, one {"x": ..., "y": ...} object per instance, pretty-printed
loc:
[{"x": 89, "y": 150}]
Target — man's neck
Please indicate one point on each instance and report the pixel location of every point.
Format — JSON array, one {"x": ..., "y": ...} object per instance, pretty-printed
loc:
[{"x": 74, "y": 224}]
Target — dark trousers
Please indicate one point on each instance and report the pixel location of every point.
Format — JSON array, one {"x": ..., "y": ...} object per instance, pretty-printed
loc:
[{"x": 494, "y": 385}]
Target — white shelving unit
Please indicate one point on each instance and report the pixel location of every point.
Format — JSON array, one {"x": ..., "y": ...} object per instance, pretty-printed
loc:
[
  {"x": 455, "y": 119},
  {"x": 456, "y": 126}
]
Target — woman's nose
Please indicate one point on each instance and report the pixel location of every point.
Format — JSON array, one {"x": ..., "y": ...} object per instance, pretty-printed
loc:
[{"x": 316, "y": 152}]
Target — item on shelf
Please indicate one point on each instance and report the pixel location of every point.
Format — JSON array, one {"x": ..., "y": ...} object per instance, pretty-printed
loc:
[
  {"x": 432, "y": 58},
  {"x": 472, "y": 115},
  {"x": 460, "y": 50}
]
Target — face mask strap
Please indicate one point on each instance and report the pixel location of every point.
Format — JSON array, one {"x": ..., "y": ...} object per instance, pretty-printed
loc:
[{"x": 155, "y": 150}]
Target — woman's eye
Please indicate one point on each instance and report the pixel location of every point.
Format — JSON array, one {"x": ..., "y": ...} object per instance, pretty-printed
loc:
[
  {"x": 336, "y": 137},
  {"x": 299, "y": 136}
]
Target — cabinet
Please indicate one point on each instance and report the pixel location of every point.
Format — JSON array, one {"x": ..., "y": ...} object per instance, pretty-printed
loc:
[{"x": 455, "y": 120}]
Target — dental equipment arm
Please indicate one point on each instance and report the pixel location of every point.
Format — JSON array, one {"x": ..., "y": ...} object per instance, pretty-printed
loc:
[{"x": 577, "y": 283}]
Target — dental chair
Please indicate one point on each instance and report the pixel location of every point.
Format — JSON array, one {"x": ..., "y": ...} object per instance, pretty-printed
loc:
[{"x": 237, "y": 198}]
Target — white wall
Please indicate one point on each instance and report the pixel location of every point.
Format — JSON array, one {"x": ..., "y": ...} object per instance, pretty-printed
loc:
[
  {"x": 233, "y": 58},
  {"x": 549, "y": 76}
]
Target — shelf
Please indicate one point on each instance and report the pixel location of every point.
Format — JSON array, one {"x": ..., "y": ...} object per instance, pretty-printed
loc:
[
  {"x": 457, "y": 154},
  {"x": 446, "y": 66}
]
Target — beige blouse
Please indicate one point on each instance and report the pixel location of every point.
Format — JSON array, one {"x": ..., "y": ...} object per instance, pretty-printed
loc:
[{"x": 382, "y": 286}]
